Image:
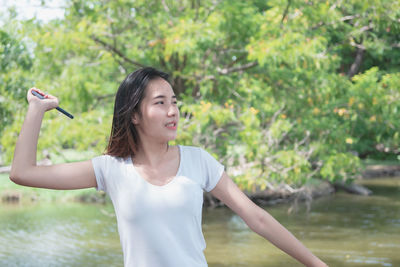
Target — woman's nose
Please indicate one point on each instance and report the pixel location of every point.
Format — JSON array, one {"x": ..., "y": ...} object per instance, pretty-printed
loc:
[{"x": 173, "y": 110}]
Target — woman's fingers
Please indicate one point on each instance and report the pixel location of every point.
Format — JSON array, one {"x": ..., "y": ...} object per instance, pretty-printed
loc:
[{"x": 49, "y": 101}]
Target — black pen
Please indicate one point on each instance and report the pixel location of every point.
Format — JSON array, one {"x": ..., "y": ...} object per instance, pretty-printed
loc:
[{"x": 58, "y": 108}]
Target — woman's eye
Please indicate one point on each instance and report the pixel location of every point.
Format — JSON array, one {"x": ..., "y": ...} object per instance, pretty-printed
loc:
[{"x": 160, "y": 102}]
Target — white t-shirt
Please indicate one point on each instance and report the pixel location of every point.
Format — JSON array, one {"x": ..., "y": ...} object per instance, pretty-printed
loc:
[{"x": 160, "y": 226}]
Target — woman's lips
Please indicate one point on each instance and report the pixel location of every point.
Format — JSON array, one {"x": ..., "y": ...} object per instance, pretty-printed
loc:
[{"x": 171, "y": 125}]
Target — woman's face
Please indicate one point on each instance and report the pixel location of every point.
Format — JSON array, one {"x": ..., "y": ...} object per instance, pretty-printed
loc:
[{"x": 160, "y": 114}]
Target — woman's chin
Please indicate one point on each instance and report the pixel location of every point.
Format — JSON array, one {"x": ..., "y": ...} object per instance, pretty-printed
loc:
[
  {"x": 169, "y": 138},
  {"x": 172, "y": 138}
]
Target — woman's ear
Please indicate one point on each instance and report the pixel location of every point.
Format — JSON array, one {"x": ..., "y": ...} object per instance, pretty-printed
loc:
[{"x": 135, "y": 118}]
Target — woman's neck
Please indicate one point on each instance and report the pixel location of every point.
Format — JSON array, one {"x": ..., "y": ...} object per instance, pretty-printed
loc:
[{"x": 151, "y": 153}]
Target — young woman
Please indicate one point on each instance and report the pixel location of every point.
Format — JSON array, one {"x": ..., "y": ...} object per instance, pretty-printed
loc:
[{"x": 156, "y": 189}]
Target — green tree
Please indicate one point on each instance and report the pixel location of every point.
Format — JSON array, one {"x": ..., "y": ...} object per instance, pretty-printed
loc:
[{"x": 279, "y": 91}]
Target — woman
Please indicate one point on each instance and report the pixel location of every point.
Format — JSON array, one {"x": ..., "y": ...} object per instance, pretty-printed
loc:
[{"x": 156, "y": 189}]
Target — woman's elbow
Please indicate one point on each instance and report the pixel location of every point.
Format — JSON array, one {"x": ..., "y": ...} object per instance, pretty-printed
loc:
[
  {"x": 16, "y": 176},
  {"x": 256, "y": 221}
]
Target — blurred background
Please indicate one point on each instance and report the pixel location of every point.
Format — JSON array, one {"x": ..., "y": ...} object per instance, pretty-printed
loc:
[{"x": 298, "y": 99}]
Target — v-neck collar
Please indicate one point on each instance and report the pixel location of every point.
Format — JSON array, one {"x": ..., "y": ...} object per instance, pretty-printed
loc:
[{"x": 130, "y": 162}]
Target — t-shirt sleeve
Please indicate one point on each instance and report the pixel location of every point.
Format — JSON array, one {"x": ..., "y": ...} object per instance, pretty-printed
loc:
[
  {"x": 212, "y": 170},
  {"x": 99, "y": 165}
]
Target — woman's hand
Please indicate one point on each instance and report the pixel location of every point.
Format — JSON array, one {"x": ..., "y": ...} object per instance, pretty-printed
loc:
[
  {"x": 49, "y": 101},
  {"x": 24, "y": 170}
]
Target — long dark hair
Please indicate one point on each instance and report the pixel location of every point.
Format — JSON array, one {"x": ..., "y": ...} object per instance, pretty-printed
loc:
[{"x": 124, "y": 137}]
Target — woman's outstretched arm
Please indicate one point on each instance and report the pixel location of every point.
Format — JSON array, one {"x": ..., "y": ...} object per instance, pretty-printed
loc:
[
  {"x": 24, "y": 170},
  {"x": 262, "y": 222}
]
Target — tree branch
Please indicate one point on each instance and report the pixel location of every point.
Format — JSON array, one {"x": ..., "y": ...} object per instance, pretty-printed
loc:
[
  {"x": 101, "y": 97},
  {"x": 166, "y": 8},
  {"x": 238, "y": 68},
  {"x": 211, "y": 9},
  {"x": 116, "y": 51},
  {"x": 230, "y": 65},
  {"x": 359, "y": 46},
  {"x": 285, "y": 13},
  {"x": 366, "y": 28},
  {"x": 342, "y": 19},
  {"x": 357, "y": 62},
  {"x": 226, "y": 71}
]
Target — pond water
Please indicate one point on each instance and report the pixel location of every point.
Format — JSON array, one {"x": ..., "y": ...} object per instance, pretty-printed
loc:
[{"x": 342, "y": 229}]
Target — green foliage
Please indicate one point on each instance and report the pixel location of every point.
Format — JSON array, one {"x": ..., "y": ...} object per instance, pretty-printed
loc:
[
  {"x": 15, "y": 64},
  {"x": 373, "y": 111},
  {"x": 334, "y": 169},
  {"x": 279, "y": 91}
]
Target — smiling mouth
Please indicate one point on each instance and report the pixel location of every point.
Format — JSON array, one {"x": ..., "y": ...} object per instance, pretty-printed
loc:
[{"x": 171, "y": 125}]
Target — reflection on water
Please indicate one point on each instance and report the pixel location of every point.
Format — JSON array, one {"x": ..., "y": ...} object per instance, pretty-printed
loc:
[
  {"x": 344, "y": 230},
  {"x": 58, "y": 235}
]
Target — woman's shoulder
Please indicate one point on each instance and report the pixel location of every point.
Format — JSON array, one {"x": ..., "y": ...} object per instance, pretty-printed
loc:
[
  {"x": 194, "y": 152},
  {"x": 105, "y": 158},
  {"x": 190, "y": 149}
]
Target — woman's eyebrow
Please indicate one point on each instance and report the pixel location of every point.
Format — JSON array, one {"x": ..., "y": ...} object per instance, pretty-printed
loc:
[{"x": 163, "y": 96}]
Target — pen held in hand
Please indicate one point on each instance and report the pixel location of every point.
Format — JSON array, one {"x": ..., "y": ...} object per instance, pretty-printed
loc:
[{"x": 35, "y": 93}]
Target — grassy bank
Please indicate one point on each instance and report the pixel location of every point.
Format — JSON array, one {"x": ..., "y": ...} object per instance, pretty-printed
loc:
[
  {"x": 369, "y": 162},
  {"x": 11, "y": 192}
]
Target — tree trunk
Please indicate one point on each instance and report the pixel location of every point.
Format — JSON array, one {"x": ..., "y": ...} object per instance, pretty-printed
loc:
[{"x": 355, "y": 67}]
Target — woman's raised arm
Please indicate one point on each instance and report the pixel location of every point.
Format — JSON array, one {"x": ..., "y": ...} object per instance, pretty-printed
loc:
[
  {"x": 24, "y": 170},
  {"x": 262, "y": 222}
]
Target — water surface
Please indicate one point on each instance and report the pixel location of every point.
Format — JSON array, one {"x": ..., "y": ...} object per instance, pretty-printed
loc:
[{"x": 342, "y": 229}]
